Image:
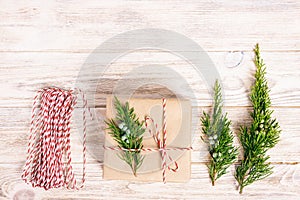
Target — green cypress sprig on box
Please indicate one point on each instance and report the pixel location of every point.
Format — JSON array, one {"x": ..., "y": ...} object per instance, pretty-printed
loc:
[
  {"x": 261, "y": 135},
  {"x": 219, "y": 137},
  {"x": 127, "y": 131}
]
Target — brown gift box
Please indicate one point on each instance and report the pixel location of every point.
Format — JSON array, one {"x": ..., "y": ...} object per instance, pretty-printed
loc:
[{"x": 178, "y": 116}]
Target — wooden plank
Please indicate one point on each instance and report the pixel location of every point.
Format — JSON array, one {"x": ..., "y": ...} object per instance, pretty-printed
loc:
[
  {"x": 14, "y": 134},
  {"x": 218, "y": 26},
  {"x": 45, "y": 44},
  {"x": 283, "y": 183},
  {"x": 24, "y": 73}
]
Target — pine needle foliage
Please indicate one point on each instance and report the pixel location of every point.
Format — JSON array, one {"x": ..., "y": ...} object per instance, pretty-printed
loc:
[
  {"x": 219, "y": 138},
  {"x": 261, "y": 135},
  {"x": 127, "y": 131}
]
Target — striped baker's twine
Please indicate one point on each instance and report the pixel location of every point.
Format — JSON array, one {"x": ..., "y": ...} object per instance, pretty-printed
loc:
[
  {"x": 161, "y": 143},
  {"x": 49, "y": 140}
]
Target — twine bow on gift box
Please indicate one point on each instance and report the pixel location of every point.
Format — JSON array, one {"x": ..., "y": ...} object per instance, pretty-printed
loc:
[{"x": 161, "y": 142}]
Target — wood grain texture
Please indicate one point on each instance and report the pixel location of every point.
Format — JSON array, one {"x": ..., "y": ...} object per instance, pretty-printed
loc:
[
  {"x": 284, "y": 182},
  {"x": 216, "y": 25},
  {"x": 32, "y": 71},
  {"x": 45, "y": 44}
]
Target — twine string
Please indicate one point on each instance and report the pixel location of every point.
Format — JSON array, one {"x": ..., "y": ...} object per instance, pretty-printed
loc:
[
  {"x": 162, "y": 143},
  {"x": 48, "y": 163}
]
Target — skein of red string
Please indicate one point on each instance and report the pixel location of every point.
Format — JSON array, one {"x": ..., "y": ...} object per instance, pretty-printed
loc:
[{"x": 48, "y": 163}]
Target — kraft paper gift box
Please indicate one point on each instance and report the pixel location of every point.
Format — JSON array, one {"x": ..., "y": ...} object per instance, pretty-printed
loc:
[{"x": 178, "y": 117}]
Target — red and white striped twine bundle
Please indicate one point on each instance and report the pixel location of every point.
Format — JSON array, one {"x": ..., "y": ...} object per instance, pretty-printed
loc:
[
  {"x": 48, "y": 163},
  {"x": 161, "y": 143}
]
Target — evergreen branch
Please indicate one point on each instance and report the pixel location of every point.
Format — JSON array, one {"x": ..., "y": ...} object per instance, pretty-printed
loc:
[
  {"x": 127, "y": 131},
  {"x": 219, "y": 137},
  {"x": 262, "y": 134}
]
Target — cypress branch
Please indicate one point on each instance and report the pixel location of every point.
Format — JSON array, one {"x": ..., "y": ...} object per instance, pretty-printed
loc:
[
  {"x": 127, "y": 131},
  {"x": 219, "y": 138},
  {"x": 261, "y": 135}
]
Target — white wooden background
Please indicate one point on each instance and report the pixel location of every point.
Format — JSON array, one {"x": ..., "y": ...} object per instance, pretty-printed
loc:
[{"x": 43, "y": 44}]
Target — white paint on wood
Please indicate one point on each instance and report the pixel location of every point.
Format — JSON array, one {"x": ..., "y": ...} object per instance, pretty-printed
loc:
[{"x": 43, "y": 44}]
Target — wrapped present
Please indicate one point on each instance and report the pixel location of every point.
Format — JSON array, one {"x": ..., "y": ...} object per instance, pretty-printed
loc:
[{"x": 166, "y": 142}]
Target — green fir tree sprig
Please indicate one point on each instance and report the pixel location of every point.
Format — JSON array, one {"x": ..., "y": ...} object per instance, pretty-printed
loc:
[
  {"x": 127, "y": 131},
  {"x": 219, "y": 138},
  {"x": 261, "y": 135}
]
